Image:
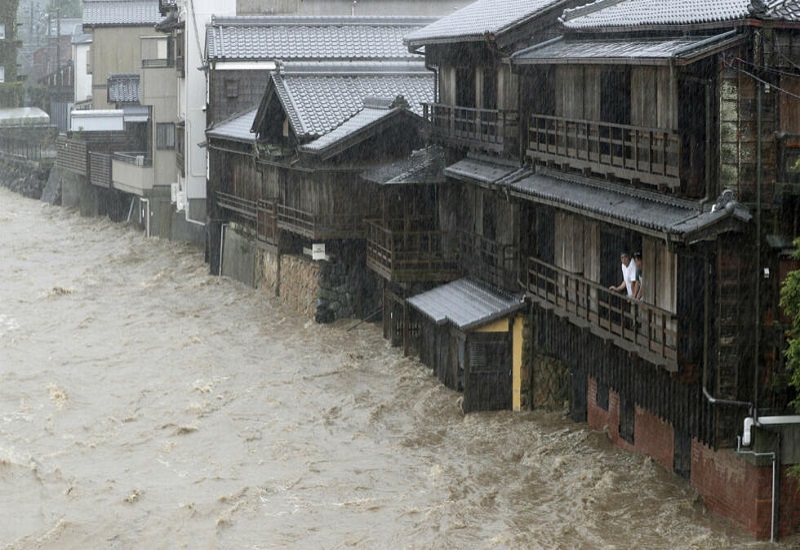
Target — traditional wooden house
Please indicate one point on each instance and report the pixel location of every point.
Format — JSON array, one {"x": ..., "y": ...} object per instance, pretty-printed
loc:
[
  {"x": 654, "y": 127},
  {"x": 318, "y": 127},
  {"x": 475, "y": 119},
  {"x": 642, "y": 127}
]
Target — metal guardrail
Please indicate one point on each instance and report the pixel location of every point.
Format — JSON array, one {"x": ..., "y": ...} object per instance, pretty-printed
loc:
[{"x": 137, "y": 158}]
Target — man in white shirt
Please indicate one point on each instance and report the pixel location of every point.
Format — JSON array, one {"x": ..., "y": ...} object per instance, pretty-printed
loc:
[{"x": 628, "y": 276}]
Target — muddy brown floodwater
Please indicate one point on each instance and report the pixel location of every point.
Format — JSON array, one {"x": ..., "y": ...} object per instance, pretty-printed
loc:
[{"x": 146, "y": 404}]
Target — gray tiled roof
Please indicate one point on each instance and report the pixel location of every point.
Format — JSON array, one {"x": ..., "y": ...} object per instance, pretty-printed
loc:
[
  {"x": 121, "y": 13},
  {"x": 368, "y": 117},
  {"x": 643, "y": 209},
  {"x": 424, "y": 166},
  {"x": 788, "y": 10},
  {"x": 622, "y": 50},
  {"x": 612, "y": 14},
  {"x": 476, "y": 20},
  {"x": 310, "y": 38},
  {"x": 481, "y": 170},
  {"x": 316, "y": 103},
  {"x": 236, "y": 128},
  {"x": 123, "y": 88},
  {"x": 465, "y": 303}
]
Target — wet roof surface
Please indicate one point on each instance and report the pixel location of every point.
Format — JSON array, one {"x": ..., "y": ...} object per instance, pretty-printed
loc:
[
  {"x": 288, "y": 38},
  {"x": 477, "y": 19},
  {"x": 236, "y": 128},
  {"x": 352, "y": 126},
  {"x": 116, "y": 13},
  {"x": 317, "y": 103},
  {"x": 424, "y": 166},
  {"x": 465, "y": 303},
  {"x": 631, "y": 13},
  {"x": 616, "y": 202},
  {"x": 561, "y": 51}
]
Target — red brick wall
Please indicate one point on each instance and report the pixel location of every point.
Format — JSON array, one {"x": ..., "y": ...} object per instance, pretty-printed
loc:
[
  {"x": 652, "y": 436},
  {"x": 729, "y": 485},
  {"x": 790, "y": 503},
  {"x": 734, "y": 488}
]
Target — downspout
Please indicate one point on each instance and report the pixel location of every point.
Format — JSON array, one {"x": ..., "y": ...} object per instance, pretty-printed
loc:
[
  {"x": 759, "y": 182},
  {"x": 774, "y": 458}
]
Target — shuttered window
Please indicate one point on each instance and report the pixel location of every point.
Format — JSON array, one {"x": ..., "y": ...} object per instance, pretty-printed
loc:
[{"x": 165, "y": 135}]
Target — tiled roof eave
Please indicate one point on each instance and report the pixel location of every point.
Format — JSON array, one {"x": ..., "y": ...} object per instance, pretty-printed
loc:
[{"x": 667, "y": 28}]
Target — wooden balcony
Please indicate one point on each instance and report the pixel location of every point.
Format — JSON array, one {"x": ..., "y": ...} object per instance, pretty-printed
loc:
[
  {"x": 402, "y": 251},
  {"x": 640, "y": 328},
  {"x": 641, "y": 155},
  {"x": 490, "y": 130},
  {"x": 267, "y": 222},
  {"x": 319, "y": 226},
  {"x": 100, "y": 169},
  {"x": 242, "y": 208}
]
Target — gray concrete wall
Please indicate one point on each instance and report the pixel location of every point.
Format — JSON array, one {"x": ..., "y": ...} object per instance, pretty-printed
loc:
[{"x": 238, "y": 257}]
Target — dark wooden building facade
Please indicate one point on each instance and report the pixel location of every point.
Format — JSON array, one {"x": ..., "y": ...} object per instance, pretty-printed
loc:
[{"x": 632, "y": 127}]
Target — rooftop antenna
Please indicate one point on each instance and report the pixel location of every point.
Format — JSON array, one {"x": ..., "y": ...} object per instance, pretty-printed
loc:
[{"x": 353, "y": 8}]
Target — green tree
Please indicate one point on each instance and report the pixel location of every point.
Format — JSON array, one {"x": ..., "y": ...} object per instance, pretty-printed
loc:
[{"x": 790, "y": 302}]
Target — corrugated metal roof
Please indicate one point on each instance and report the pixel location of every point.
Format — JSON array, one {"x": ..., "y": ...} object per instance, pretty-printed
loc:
[
  {"x": 236, "y": 128},
  {"x": 311, "y": 38},
  {"x": 478, "y": 19},
  {"x": 316, "y": 103},
  {"x": 625, "y": 51},
  {"x": 644, "y": 209},
  {"x": 480, "y": 170},
  {"x": 611, "y": 14},
  {"x": 121, "y": 13},
  {"x": 424, "y": 166},
  {"x": 465, "y": 303},
  {"x": 123, "y": 88}
]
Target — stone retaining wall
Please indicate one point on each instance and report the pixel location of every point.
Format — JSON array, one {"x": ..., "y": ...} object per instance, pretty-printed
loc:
[{"x": 24, "y": 177}]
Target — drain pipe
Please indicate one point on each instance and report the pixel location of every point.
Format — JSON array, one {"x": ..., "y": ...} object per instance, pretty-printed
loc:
[
  {"x": 222, "y": 227},
  {"x": 772, "y": 456}
]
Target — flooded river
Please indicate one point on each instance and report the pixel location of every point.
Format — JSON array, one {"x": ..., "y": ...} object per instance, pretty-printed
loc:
[{"x": 146, "y": 404}]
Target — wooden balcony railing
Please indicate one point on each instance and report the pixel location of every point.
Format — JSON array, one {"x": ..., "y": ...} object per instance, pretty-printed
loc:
[
  {"x": 267, "y": 222},
  {"x": 489, "y": 129},
  {"x": 488, "y": 260},
  {"x": 100, "y": 169},
  {"x": 247, "y": 209},
  {"x": 646, "y": 329},
  {"x": 648, "y": 155},
  {"x": 319, "y": 226},
  {"x": 403, "y": 251}
]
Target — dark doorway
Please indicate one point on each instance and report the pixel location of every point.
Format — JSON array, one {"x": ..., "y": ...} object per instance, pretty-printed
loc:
[
  {"x": 692, "y": 100},
  {"x": 465, "y": 87},
  {"x": 487, "y": 372}
]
